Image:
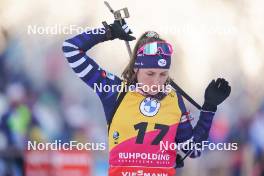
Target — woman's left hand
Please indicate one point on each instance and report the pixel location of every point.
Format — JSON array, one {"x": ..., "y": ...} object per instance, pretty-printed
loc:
[{"x": 215, "y": 93}]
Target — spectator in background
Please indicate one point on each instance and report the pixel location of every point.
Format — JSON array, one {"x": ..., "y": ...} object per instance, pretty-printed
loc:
[
  {"x": 17, "y": 125},
  {"x": 256, "y": 133}
]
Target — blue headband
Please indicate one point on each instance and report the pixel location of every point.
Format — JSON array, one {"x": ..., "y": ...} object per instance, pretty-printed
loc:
[{"x": 155, "y": 61}]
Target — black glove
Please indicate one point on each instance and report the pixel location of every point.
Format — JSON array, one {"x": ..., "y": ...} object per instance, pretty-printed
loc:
[
  {"x": 116, "y": 30},
  {"x": 215, "y": 93}
]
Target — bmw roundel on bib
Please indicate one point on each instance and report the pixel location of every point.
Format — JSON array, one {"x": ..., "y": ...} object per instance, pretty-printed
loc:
[{"x": 149, "y": 106}]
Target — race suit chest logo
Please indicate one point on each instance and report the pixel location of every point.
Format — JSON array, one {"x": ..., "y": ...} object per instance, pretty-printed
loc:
[
  {"x": 116, "y": 137},
  {"x": 149, "y": 106}
]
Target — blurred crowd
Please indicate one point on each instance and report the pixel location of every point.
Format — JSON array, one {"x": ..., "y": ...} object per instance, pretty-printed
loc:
[{"x": 45, "y": 113}]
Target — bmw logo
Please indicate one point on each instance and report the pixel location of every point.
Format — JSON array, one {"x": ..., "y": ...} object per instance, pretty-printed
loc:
[{"x": 149, "y": 106}]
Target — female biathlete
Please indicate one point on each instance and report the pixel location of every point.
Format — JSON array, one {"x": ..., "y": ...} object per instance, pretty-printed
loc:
[{"x": 142, "y": 118}]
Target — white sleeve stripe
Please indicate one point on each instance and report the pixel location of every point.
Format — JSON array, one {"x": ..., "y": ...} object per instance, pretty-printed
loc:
[
  {"x": 127, "y": 30},
  {"x": 207, "y": 111},
  {"x": 70, "y": 45},
  {"x": 77, "y": 63},
  {"x": 71, "y": 53},
  {"x": 124, "y": 26},
  {"x": 192, "y": 152},
  {"x": 85, "y": 71}
]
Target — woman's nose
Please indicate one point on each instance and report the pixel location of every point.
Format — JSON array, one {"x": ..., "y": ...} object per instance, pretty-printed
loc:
[{"x": 156, "y": 81}]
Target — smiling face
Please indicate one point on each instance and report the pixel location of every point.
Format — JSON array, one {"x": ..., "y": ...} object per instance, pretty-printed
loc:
[{"x": 150, "y": 77}]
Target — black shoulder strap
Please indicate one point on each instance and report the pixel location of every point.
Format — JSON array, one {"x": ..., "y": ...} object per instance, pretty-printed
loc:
[
  {"x": 120, "y": 97},
  {"x": 185, "y": 95}
]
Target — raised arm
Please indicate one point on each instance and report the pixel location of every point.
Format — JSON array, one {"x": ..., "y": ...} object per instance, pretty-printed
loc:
[
  {"x": 216, "y": 92},
  {"x": 87, "y": 69},
  {"x": 84, "y": 66}
]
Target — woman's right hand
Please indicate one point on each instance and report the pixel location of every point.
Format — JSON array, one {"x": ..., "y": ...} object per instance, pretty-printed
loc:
[{"x": 121, "y": 31}]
